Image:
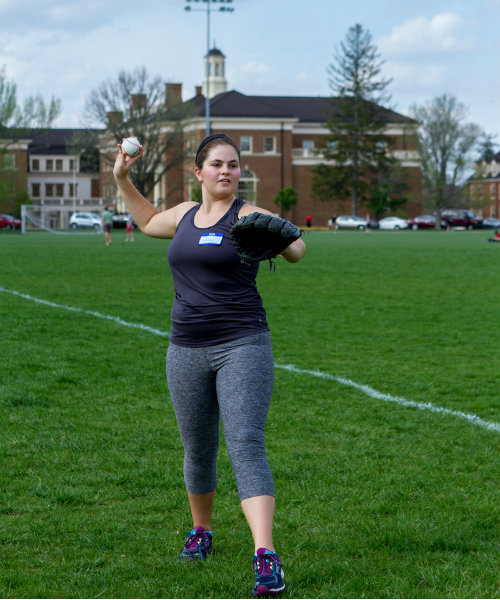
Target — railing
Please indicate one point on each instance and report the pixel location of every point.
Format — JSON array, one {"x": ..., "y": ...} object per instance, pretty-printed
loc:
[
  {"x": 69, "y": 202},
  {"x": 401, "y": 155}
]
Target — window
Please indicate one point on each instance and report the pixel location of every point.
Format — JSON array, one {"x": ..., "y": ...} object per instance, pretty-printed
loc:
[
  {"x": 71, "y": 164},
  {"x": 59, "y": 164},
  {"x": 35, "y": 190},
  {"x": 73, "y": 189},
  {"x": 245, "y": 143},
  {"x": 308, "y": 147},
  {"x": 9, "y": 161},
  {"x": 49, "y": 190},
  {"x": 49, "y": 165},
  {"x": 332, "y": 146},
  {"x": 35, "y": 165},
  {"x": 269, "y": 144},
  {"x": 247, "y": 187},
  {"x": 59, "y": 190}
]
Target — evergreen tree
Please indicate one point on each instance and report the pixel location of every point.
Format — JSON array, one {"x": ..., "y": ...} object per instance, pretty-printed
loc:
[{"x": 356, "y": 150}]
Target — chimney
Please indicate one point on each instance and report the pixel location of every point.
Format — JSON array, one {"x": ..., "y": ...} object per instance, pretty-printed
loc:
[
  {"x": 173, "y": 94},
  {"x": 197, "y": 90},
  {"x": 115, "y": 119},
  {"x": 138, "y": 101}
]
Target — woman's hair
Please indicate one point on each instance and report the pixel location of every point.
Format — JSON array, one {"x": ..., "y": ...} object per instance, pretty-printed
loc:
[{"x": 210, "y": 142}]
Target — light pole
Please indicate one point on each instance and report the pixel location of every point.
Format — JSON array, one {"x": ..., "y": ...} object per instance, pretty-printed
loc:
[{"x": 208, "y": 10}]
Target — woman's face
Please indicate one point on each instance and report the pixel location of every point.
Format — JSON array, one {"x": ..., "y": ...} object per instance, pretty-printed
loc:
[{"x": 220, "y": 172}]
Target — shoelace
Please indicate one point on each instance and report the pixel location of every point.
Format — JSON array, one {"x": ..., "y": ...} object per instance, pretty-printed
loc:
[
  {"x": 265, "y": 565},
  {"x": 195, "y": 538}
]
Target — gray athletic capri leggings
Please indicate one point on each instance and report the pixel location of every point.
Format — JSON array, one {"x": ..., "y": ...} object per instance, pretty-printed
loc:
[{"x": 232, "y": 382}]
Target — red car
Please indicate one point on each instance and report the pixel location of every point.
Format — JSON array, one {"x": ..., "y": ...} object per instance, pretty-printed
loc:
[
  {"x": 9, "y": 222},
  {"x": 422, "y": 222},
  {"x": 461, "y": 218}
]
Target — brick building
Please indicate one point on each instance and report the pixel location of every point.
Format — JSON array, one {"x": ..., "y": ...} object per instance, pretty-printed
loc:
[
  {"x": 483, "y": 188},
  {"x": 278, "y": 137},
  {"x": 57, "y": 168}
]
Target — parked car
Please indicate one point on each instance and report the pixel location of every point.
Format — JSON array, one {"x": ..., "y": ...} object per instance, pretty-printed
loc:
[
  {"x": 491, "y": 223},
  {"x": 120, "y": 220},
  {"x": 393, "y": 223},
  {"x": 351, "y": 222},
  {"x": 9, "y": 222},
  {"x": 460, "y": 218},
  {"x": 422, "y": 222},
  {"x": 85, "y": 219}
]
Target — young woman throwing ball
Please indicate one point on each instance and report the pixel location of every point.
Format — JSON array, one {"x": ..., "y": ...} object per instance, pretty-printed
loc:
[{"x": 219, "y": 361}]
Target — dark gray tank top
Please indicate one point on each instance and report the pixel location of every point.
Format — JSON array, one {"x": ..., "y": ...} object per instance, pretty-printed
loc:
[{"x": 216, "y": 297}]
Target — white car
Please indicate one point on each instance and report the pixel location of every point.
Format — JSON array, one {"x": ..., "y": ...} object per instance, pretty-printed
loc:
[
  {"x": 85, "y": 219},
  {"x": 393, "y": 223},
  {"x": 351, "y": 222}
]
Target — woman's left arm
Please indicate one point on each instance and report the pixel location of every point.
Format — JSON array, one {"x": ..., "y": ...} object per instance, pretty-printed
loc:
[{"x": 295, "y": 250}]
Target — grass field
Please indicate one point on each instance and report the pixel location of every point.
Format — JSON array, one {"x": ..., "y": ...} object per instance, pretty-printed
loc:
[{"x": 377, "y": 497}]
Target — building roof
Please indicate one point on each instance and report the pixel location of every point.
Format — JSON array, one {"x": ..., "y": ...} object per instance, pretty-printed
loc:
[
  {"x": 60, "y": 141},
  {"x": 215, "y": 52},
  {"x": 307, "y": 109}
]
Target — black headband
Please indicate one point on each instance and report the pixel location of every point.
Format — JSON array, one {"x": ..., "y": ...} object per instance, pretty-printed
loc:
[{"x": 216, "y": 136}]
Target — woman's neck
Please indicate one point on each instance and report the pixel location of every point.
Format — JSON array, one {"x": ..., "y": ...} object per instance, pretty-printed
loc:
[{"x": 210, "y": 204}]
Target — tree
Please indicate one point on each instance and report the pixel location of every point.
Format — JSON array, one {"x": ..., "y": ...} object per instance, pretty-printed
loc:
[
  {"x": 16, "y": 121},
  {"x": 33, "y": 112},
  {"x": 286, "y": 198},
  {"x": 486, "y": 147},
  {"x": 388, "y": 192},
  {"x": 135, "y": 104},
  {"x": 357, "y": 147},
  {"x": 445, "y": 142}
]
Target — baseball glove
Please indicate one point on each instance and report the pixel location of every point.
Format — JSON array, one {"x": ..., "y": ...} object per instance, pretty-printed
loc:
[{"x": 259, "y": 236}]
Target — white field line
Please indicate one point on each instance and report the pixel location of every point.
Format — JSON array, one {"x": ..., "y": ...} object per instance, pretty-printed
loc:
[
  {"x": 372, "y": 393},
  {"x": 92, "y": 313}
]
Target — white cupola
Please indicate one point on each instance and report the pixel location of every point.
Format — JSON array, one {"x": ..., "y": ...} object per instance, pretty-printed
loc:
[{"x": 215, "y": 80}]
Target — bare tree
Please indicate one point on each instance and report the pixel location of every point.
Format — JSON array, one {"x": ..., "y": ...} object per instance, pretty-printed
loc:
[
  {"x": 445, "y": 143},
  {"x": 136, "y": 104}
]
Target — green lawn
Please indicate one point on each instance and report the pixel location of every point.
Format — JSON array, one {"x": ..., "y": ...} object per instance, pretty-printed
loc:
[{"x": 375, "y": 499}]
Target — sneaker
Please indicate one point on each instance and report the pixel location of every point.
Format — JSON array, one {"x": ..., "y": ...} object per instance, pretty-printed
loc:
[
  {"x": 198, "y": 544},
  {"x": 268, "y": 573}
]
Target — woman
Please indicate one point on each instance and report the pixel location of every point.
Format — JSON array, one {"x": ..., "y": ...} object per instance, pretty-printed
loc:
[{"x": 219, "y": 361}]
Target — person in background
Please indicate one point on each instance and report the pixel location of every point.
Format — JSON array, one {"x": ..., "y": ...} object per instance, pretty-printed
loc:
[
  {"x": 107, "y": 224},
  {"x": 129, "y": 228}
]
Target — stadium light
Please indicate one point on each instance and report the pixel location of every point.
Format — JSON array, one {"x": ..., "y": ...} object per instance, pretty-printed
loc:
[{"x": 209, "y": 8}]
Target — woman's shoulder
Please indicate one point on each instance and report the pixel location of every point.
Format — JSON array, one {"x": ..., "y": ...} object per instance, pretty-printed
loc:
[
  {"x": 183, "y": 207},
  {"x": 247, "y": 209}
]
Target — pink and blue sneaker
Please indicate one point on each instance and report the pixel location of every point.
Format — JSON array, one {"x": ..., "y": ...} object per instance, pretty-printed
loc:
[
  {"x": 198, "y": 544},
  {"x": 269, "y": 573}
]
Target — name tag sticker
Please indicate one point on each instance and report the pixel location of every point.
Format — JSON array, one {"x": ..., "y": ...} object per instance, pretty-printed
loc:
[{"x": 211, "y": 239}]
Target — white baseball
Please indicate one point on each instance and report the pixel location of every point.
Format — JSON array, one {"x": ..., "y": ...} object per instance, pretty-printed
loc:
[{"x": 131, "y": 146}]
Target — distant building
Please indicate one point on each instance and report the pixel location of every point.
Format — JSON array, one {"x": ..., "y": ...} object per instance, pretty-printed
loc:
[
  {"x": 278, "y": 137},
  {"x": 483, "y": 188},
  {"x": 59, "y": 170}
]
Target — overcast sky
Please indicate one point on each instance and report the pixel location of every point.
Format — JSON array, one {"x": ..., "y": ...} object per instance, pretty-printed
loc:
[{"x": 272, "y": 47}]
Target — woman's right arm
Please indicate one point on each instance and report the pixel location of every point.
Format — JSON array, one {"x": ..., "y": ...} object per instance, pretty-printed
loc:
[{"x": 148, "y": 219}]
